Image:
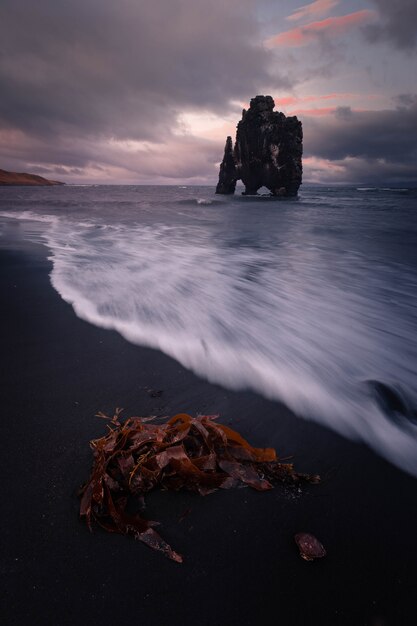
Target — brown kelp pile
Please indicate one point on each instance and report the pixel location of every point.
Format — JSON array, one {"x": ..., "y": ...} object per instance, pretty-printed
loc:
[{"x": 199, "y": 454}]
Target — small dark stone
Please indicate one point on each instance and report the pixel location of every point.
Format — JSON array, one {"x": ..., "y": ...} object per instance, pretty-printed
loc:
[
  {"x": 309, "y": 546},
  {"x": 267, "y": 152},
  {"x": 155, "y": 393},
  {"x": 393, "y": 401},
  {"x": 389, "y": 398}
]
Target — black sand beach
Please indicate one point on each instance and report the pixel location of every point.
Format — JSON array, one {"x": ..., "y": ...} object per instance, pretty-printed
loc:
[{"x": 241, "y": 565}]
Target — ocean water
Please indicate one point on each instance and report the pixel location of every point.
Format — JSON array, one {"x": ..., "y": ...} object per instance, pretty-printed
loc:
[{"x": 310, "y": 301}]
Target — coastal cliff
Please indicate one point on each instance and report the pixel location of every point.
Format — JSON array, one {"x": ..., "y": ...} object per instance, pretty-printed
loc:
[
  {"x": 16, "y": 179},
  {"x": 267, "y": 152}
]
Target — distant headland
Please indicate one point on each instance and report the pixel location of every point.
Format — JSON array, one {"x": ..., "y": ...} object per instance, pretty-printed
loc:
[
  {"x": 267, "y": 152},
  {"x": 16, "y": 179}
]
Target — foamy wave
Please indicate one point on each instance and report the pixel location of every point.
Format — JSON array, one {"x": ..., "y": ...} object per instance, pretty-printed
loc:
[
  {"x": 29, "y": 216},
  {"x": 291, "y": 321},
  {"x": 52, "y": 220},
  {"x": 229, "y": 320},
  {"x": 378, "y": 189}
]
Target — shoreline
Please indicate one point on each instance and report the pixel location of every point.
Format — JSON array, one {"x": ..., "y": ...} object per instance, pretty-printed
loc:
[{"x": 58, "y": 371}]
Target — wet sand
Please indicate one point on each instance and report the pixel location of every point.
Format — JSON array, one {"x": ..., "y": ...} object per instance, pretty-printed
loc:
[{"x": 241, "y": 565}]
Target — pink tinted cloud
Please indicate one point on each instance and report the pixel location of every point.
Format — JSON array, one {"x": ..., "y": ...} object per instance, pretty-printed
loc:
[
  {"x": 320, "y": 7},
  {"x": 322, "y": 111},
  {"x": 314, "y": 162},
  {"x": 331, "y": 26},
  {"x": 293, "y": 100},
  {"x": 318, "y": 170},
  {"x": 319, "y": 112}
]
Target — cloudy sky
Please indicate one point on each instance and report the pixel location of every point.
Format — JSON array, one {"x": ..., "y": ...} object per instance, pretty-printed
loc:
[{"x": 135, "y": 91}]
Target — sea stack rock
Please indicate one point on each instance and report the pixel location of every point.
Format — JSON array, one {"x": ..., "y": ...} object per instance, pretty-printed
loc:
[
  {"x": 227, "y": 174},
  {"x": 267, "y": 152}
]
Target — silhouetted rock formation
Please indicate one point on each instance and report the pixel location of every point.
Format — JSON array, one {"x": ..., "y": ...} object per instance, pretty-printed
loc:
[
  {"x": 17, "y": 180},
  {"x": 227, "y": 174},
  {"x": 267, "y": 152}
]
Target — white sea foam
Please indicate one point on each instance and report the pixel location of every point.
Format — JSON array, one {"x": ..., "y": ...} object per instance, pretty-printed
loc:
[
  {"x": 29, "y": 216},
  {"x": 274, "y": 336},
  {"x": 295, "y": 322}
]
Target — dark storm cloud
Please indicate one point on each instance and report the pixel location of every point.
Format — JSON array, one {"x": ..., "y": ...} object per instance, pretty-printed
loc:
[
  {"x": 123, "y": 69},
  {"x": 389, "y": 134},
  {"x": 398, "y": 23},
  {"x": 369, "y": 145},
  {"x": 406, "y": 100}
]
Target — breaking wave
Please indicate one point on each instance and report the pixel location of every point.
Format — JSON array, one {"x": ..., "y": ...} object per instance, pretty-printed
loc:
[{"x": 269, "y": 304}]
